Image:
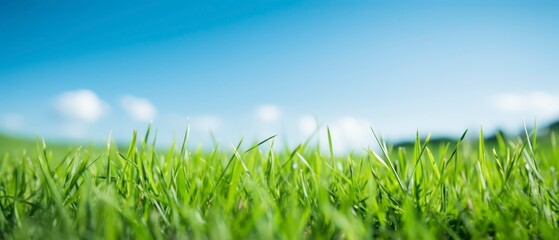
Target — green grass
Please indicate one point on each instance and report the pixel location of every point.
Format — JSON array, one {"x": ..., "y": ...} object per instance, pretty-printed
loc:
[{"x": 507, "y": 188}]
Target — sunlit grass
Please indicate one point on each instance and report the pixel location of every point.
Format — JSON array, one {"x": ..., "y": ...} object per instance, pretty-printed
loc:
[{"x": 464, "y": 189}]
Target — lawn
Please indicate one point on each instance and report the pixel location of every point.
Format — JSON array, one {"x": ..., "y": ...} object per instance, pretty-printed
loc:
[{"x": 505, "y": 188}]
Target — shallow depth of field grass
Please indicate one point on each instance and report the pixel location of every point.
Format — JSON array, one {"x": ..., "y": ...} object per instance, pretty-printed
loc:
[{"x": 464, "y": 189}]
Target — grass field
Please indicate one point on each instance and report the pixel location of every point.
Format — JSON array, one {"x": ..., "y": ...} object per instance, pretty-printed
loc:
[{"x": 506, "y": 188}]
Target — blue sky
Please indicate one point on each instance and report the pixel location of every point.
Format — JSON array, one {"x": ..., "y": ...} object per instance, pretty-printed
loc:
[{"x": 82, "y": 69}]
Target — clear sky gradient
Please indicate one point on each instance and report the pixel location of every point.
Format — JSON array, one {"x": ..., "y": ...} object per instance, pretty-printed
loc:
[{"x": 81, "y": 69}]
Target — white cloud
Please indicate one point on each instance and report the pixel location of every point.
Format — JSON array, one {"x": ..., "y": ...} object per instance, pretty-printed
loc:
[
  {"x": 268, "y": 113},
  {"x": 83, "y": 105},
  {"x": 350, "y": 133},
  {"x": 206, "y": 123},
  {"x": 541, "y": 104},
  {"x": 307, "y": 124},
  {"x": 12, "y": 121},
  {"x": 140, "y": 109}
]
